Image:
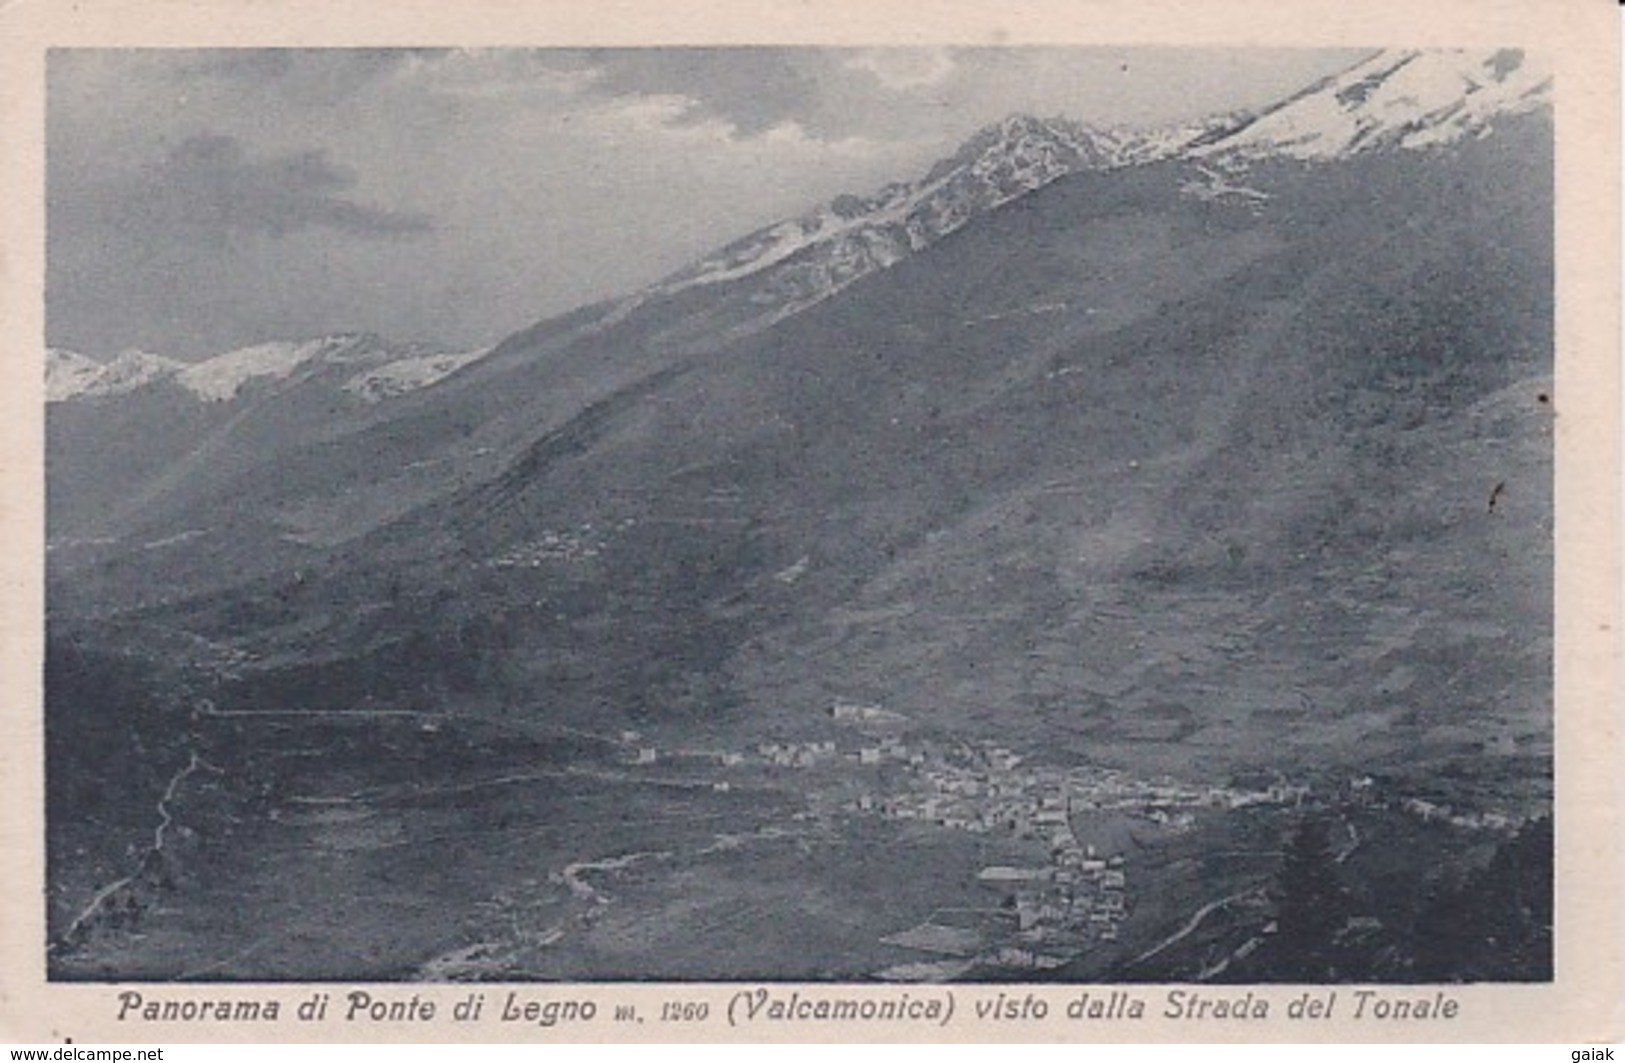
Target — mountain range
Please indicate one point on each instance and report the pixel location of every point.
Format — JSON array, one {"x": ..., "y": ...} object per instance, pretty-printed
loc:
[
  {"x": 1405, "y": 99},
  {"x": 1211, "y": 445},
  {"x": 361, "y": 365}
]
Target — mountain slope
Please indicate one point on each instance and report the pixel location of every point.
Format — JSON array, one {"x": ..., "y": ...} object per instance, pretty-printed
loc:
[
  {"x": 741, "y": 289},
  {"x": 784, "y": 268},
  {"x": 1149, "y": 490},
  {"x": 1103, "y": 463},
  {"x": 1394, "y": 99},
  {"x": 137, "y": 438}
]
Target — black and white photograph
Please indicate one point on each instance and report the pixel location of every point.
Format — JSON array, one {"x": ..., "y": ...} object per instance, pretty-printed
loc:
[{"x": 799, "y": 514}]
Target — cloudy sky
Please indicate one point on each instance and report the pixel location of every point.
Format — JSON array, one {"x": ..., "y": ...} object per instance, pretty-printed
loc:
[{"x": 202, "y": 200}]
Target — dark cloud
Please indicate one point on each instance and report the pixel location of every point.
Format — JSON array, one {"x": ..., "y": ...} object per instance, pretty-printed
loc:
[{"x": 210, "y": 182}]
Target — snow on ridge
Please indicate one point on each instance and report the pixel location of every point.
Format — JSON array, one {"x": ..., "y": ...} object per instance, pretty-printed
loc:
[
  {"x": 1391, "y": 99},
  {"x": 408, "y": 374},
  {"x": 1000, "y": 162},
  {"x": 68, "y": 374},
  {"x": 220, "y": 378},
  {"x": 1404, "y": 99},
  {"x": 384, "y": 370},
  {"x": 131, "y": 370}
]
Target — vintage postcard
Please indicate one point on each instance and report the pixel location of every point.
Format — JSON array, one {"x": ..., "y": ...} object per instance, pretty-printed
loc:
[{"x": 889, "y": 522}]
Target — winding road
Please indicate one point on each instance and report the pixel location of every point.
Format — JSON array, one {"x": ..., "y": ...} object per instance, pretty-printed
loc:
[
  {"x": 100, "y": 901},
  {"x": 1196, "y": 920}
]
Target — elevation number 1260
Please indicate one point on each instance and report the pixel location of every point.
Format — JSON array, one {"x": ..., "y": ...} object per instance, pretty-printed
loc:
[{"x": 684, "y": 1011}]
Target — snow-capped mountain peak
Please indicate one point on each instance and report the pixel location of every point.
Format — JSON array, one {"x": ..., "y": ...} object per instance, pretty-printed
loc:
[
  {"x": 70, "y": 375},
  {"x": 220, "y": 378},
  {"x": 1038, "y": 149},
  {"x": 852, "y": 236},
  {"x": 1394, "y": 99},
  {"x": 1391, "y": 99},
  {"x": 379, "y": 370}
]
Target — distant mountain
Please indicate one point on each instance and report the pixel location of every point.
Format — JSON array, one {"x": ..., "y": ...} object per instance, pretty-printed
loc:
[
  {"x": 801, "y": 261},
  {"x": 997, "y": 164},
  {"x": 69, "y": 375},
  {"x": 1393, "y": 99},
  {"x": 377, "y": 369},
  {"x": 140, "y": 435},
  {"x": 1400, "y": 99}
]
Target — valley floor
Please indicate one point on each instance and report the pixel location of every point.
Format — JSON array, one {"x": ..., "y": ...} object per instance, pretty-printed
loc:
[{"x": 413, "y": 847}]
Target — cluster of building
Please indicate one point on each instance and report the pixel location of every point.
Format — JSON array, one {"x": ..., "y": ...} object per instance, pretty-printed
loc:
[
  {"x": 1431, "y": 812},
  {"x": 985, "y": 788},
  {"x": 1366, "y": 792},
  {"x": 979, "y": 798},
  {"x": 797, "y": 754},
  {"x": 1079, "y": 896},
  {"x": 981, "y": 787}
]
